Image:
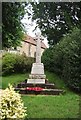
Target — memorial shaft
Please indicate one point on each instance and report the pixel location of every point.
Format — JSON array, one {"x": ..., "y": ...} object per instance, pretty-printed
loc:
[{"x": 38, "y": 50}]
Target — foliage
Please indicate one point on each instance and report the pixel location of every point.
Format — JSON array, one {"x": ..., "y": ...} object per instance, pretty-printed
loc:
[
  {"x": 47, "y": 58},
  {"x": 65, "y": 59},
  {"x": 12, "y": 28},
  {"x": 11, "y": 105},
  {"x": 71, "y": 59},
  {"x": 23, "y": 63},
  {"x": 15, "y": 63},
  {"x": 52, "y": 59},
  {"x": 56, "y": 18},
  {"x": 8, "y": 62}
]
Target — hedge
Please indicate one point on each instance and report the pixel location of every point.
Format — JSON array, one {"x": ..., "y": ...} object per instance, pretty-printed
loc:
[{"x": 65, "y": 59}]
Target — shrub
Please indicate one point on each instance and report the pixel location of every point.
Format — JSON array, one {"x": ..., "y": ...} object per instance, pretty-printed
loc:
[
  {"x": 11, "y": 105},
  {"x": 8, "y": 61},
  {"x": 23, "y": 63},
  {"x": 15, "y": 63},
  {"x": 47, "y": 59},
  {"x": 71, "y": 47},
  {"x": 65, "y": 59},
  {"x": 52, "y": 59}
]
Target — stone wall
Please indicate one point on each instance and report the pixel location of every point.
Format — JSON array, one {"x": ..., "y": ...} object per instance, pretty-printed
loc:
[{"x": 28, "y": 49}]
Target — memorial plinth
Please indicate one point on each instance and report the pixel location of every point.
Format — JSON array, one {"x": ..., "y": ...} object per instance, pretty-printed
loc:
[
  {"x": 37, "y": 68},
  {"x": 37, "y": 75}
]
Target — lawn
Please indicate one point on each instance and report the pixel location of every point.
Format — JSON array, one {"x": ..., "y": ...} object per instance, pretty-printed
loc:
[
  {"x": 62, "y": 106},
  {"x": 40, "y": 106},
  {"x": 13, "y": 79}
]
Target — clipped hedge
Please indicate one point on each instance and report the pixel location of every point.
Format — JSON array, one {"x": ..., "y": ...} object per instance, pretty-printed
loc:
[
  {"x": 15, "y": 63},
  {"x": 65, "y": 59}
]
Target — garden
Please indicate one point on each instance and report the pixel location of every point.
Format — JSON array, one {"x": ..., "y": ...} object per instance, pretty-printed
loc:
[
  {"x": 60, "y": 23},
  {"x": 65, "y": 105}
]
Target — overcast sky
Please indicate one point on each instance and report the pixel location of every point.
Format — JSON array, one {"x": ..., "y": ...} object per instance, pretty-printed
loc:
[{"x": 30, "y": 26}]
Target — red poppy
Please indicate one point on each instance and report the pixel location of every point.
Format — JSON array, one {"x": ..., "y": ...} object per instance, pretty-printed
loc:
[{"x": 34, "y": 88}]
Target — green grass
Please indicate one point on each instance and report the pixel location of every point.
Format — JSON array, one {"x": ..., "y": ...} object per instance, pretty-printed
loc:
[
  {"x": 13, "y": 79},
  {"x": 53, "y": 78},
  {"x": 62, "y": 106}
]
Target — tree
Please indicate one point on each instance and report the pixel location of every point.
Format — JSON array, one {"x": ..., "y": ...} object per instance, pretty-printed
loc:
[
  {"x": 56, "y": 19},
  {"x": 12, "y": 28}
]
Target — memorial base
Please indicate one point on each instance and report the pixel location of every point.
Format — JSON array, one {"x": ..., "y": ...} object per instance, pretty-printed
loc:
[
  {"x": 37, "y": 75},
  {"x": 36, "y": 81}
]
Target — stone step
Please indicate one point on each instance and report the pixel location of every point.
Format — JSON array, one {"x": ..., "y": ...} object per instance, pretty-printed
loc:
[
  {"x": 36, "y": 81},
  {"x": 47, "y": 85},
  {"x": 43, "y": 92}
]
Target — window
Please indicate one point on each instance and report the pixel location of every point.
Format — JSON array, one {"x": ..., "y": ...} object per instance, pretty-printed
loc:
[{"x": 29, "y": 51}]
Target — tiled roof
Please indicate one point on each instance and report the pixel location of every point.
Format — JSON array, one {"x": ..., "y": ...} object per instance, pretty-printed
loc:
[{"x": 31, "y": 40}]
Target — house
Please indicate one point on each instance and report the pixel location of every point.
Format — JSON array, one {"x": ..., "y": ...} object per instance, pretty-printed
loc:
[{"x": 28, "y": 46}]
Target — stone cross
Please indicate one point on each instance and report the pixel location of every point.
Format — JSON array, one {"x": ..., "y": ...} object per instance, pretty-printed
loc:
[
  {"x": 38, "y": 47},
  {"x": 37, "y": 75}
]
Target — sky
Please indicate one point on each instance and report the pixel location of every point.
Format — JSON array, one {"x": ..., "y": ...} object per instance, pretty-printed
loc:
[{"x": 30, "y": 26}]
